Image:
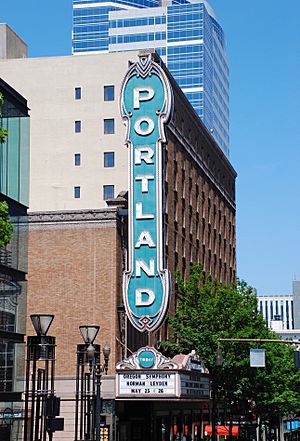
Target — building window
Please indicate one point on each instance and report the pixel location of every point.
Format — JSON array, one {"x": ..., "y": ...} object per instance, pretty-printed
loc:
[
  {"x": 108, "y": 192},
  {"x": 109, "y": 93},
  {"x": 175, "y": 211},
  {"x": 77, "y": 159},
  {"x": 109, "y": 159},
  {"x": 6, "y": 366},
  {"x": 77, "y": 126},
  {"x": 76, "y": 192},
  {"x": 109, "y": 126},
  {"x": 175, "y": 241},
  {"x": 77, "y": 93}
]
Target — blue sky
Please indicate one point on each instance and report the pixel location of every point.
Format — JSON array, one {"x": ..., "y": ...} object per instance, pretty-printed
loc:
[{"x": 263, "y": 39}]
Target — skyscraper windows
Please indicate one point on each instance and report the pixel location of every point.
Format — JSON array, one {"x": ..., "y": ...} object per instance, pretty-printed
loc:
[{"x": 185, "y": 34}]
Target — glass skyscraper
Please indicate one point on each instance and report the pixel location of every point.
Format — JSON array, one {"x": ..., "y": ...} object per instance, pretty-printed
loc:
[{"x": 186, "y": 35}]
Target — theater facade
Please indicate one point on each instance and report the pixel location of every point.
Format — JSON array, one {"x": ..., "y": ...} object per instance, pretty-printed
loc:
[{"x": 114, "y": 266}]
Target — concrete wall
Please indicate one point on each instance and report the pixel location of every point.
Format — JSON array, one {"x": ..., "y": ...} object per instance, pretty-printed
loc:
[
  {"x": 11, "y": 45},
  {"x": 296, "y": 295}
]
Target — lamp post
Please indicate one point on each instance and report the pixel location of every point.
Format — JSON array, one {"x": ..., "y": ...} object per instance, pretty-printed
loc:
[
  {"x": 39, "y": 378},
  {"x": 214, "y": 393},
  {"x": 88, "y": 384}
]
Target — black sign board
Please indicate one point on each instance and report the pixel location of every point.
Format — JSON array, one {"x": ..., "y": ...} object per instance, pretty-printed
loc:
[{"x": 55, "y": 424}]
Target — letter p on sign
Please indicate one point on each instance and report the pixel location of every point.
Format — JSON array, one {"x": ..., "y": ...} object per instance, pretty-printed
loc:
[{"x": 142, "y": 94}]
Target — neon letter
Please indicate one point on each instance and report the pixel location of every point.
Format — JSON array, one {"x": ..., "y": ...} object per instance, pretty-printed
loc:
[
  {"x": 139, "y": 212},
  {"x": 145, "y": 153},
  {"x": 144, "y": 179},
  {"x": 145, "y": 239},
  {"x": 139, "y": 297},
  {"x": 147, "y": 130},
  {"x": 141, "y": 264},
  {"x": 139, "y": 96}
]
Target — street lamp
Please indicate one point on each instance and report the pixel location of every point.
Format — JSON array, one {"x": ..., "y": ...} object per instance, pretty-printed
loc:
[
  {"x": 39, "y": 379},
  {"x": 88, "y": 384},
  {"x": 41, "y": 323},
  {"x": 89, "y": 333}
]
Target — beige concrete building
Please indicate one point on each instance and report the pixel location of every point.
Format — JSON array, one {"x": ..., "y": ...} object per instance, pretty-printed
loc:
[
  {"x": 74, "y": 108},
  {"x": 11, "y": 45}
]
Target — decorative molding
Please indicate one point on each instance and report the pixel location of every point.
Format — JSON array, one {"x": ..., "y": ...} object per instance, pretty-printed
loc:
[
  {"x": 8, "y": 304},
  {"x": 73, "y": 217},
  {"x": 161, "y": 362}
]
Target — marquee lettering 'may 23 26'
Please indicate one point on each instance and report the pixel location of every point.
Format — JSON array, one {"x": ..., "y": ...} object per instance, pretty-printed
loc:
[{"x": 146, "y": 102}]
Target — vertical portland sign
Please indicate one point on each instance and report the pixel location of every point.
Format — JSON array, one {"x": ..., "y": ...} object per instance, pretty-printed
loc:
[{"x": 146, "y": 103}]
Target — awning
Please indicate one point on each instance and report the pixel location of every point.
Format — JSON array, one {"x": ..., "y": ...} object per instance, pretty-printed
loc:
[{"x": 222, "y": 430}]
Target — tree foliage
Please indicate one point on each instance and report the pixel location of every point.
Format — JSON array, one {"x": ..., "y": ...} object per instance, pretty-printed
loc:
[
  {"x": 3, "y": 132},
  {"x": 208, "y": 310},
  {"x": 6, "y": 227}
]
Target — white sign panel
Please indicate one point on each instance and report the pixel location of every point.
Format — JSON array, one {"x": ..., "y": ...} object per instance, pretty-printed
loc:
[
  {"x": 194, "y": 385},
  {"x": 257, "y": 358},
  {"x": 147, "y": 384}
]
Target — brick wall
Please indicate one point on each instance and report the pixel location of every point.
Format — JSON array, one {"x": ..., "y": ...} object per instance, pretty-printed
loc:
[{"x": 74, "y": 272}]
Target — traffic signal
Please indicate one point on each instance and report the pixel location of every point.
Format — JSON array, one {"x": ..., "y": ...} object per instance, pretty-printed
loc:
[{"x": 297, "y": 359}]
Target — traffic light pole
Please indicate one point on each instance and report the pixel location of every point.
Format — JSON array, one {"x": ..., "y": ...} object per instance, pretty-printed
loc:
[
  {"x": 269, "y": 340},
  {"x": 261, "y": 340}
]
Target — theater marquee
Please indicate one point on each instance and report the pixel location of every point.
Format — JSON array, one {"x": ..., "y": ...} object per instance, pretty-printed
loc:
[
  {"x": 146, "y": 102},
  {"x": 148, "y": 375}
]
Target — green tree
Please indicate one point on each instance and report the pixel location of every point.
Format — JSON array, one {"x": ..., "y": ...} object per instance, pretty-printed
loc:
[
  {"x": 6, "y": 227},
  {"x": 208, "y": 310},
  {"x": 3, "y": 132}
]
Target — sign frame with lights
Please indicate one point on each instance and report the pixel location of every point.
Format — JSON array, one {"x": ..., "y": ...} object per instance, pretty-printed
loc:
[{"x": 146, "y": 103}]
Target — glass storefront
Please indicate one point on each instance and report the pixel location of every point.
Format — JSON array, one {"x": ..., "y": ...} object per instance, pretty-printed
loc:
[{"x": 161, "y": 421}]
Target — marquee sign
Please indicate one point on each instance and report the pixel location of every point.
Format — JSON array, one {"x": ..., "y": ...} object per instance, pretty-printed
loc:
[
  {"x": 147, "y": 374},
  {"x": 146, "y": 102},
  {"x": 147, "y": 384}
]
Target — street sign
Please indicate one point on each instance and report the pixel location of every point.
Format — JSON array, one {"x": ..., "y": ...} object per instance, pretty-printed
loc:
[
  {"x": 145, "y": 103},
  {"x": 257, "y": 358}
]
